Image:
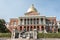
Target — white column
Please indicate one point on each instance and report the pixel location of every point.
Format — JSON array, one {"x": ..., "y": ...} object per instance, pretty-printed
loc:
[
  {"x": 44, "y": 21},
  {"x": 18, "y": 21},
  {"x": 29, "y": 28},
  {"x": 36, "y": 27},
  {"x": 34, "y": 34},
  {"x": 26, "y": 21},
  {"x": 32, "y": 21},
  {"x": 39, "y": 21},
  {"x": 29, "y": 21},
  {"x": 35, "y": 21},
  {"x": 19, "y": 33},
  {"x": 23, "y": 21},
  {"x": 26, "y": 28},
  {"x": 13, "y": 33}
]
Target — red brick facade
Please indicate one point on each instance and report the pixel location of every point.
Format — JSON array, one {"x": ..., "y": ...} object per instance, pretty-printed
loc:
[{"x": 42, "y": 22}]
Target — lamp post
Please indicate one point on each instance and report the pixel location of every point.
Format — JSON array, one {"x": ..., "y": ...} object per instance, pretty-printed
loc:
[{"x": 14, "y": 26}]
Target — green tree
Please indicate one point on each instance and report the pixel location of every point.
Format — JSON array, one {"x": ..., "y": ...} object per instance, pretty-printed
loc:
[{"x": 3, "y": 28}]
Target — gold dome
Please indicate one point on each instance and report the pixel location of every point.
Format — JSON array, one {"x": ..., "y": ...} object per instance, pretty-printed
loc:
[{"x": 32, "y": 8}]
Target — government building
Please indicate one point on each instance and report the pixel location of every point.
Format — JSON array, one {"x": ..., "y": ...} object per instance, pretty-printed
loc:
[{"x": 33, "y": 20}]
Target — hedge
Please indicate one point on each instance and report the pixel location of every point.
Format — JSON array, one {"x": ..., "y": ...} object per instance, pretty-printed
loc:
[
  {"x": 48, "y": 35},
  {"x": 39, "y": 35},
  {"x": 6, "y": 35}
]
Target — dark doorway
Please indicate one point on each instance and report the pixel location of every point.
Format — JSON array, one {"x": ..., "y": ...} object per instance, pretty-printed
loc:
[{"x": 16, "y": 35}]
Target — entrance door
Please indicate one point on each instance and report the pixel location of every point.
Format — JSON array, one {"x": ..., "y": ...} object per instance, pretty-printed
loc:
[{"x": 16, "y": 35}]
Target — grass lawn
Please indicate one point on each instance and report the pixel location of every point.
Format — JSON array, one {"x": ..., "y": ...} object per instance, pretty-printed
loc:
[
  {"x": 40, "y": 35},
  {"x": 48, "y": 35},
  {"x": 5, "y": 35}
]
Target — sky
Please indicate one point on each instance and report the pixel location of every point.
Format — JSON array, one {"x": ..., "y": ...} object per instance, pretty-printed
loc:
[{"x": 16, "y": 8}]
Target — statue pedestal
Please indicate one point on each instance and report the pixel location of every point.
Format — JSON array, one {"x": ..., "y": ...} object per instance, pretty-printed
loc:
[
  {"x": 34, "y": 34},
  {"x": 45, "y": 31},
  {"x": 13, "y": 34},
  {"x": 28, "y": 37}
]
